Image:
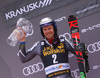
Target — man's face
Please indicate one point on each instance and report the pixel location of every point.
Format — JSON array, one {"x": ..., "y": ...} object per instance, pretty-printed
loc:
[{"x": 48, "y": 31}]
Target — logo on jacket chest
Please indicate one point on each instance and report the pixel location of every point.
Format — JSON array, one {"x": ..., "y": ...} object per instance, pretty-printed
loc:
[{"x": 51, "y": 50}]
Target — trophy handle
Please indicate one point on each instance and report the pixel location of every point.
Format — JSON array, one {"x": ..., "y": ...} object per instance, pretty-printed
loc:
[{"x": 29, "y": 34}]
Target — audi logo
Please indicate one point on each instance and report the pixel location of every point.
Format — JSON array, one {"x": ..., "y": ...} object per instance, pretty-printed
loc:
[
  {"x": 75, "y": 74},
  {"x": 33, "y": 69},
  {"x": 66, "y": 35},
  {"x": 93, "y": 47}
]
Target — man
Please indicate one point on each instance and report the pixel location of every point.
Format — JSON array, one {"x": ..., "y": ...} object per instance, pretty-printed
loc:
[{"x": 52, "y": 50}]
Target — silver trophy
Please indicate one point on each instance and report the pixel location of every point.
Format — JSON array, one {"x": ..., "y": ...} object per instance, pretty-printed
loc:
[{"x": 22, "y": 25}]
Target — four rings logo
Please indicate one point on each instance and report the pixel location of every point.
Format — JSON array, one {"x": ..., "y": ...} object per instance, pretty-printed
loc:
[
  {"x": 33, "y": 69},
  {"x": 94, "y": 47},
  {"x": 75, "y": 73},
  {"x": 68, "y": 38}
]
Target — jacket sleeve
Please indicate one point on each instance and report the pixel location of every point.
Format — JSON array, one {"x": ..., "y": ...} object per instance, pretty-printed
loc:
[
  {"x": 69, "y": 46},
  {"x": 26, "y": 56}
]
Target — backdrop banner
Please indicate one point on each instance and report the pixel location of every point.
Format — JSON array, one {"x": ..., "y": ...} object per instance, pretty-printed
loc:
[
  {"x": 29, "y": 9},
  {"x": 88, "y": 13}
]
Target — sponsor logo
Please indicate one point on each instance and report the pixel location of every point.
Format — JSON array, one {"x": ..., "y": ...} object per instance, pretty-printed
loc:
[
  {"x": 87, "y": 9},
  {"x": 94, "y": 47},
  {"x": 75, "y": 31},
  {"x": 75, "y": 73},
  {"x": 56, "y": 67},
  {"x": 27, "y": 8},
  {"x": 90, "y": 28},
  {"x": 61, "y": 19},
  {"x": 33, "y": 69},
  {"x": 68, "y": 38},
  {"x": 58, "y": 73},
  {"x": 50, "y": 50},
  {"x": 96, "y": 67}
]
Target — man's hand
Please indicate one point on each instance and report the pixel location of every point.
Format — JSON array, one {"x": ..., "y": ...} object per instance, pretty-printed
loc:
[
  {"x": 23, "y": 39},
  {"x": 81, "y": 47}
]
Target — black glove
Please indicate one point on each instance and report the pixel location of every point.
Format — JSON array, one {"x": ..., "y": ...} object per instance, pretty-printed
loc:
[{"x": 83, "y": 48}]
